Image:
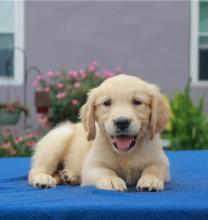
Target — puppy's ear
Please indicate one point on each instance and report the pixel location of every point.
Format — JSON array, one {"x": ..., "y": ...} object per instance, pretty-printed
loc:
[
  {"x": 87, "y": 115},
  {"x": 160, "y": 112}
]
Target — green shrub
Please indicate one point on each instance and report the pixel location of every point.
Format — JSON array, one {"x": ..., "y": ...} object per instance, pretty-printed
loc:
[{"x": 189, "y": 122}]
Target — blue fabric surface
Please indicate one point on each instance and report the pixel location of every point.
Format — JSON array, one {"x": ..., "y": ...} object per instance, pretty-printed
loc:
[{"x": 185, "y": 197}]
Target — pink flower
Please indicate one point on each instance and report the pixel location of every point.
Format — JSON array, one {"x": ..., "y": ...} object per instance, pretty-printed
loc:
[
  {"x": 29, "y": 135},
  {"x": 91, "y": 68},
  {"x": 39, "y": 115},
  {"x": 75, "y": 102},
  {"x": 60, "y": 85},
  {"x": 76, "y": 85},
  {"x": 39, "y": 78},
  {"x": 35, "y": 84},
  {"x": 73, "y": 74},
  {"x": 6, "y": 132},
  {"x": 47, "y": 89},
  {"x": 49, "y": 74},
  {"x": 107, "y": 74},
  {"x": 60, "y": 95},
  {"x": 83, "y": 74},
  {"x": 6, "y": 145},
  {"x": 81, "y": 71},
  {"x": 18, "y": 139},
  {"x": 10, "y": 108}
]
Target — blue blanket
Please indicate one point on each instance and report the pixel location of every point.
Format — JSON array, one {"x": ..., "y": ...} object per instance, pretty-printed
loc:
[{"x": 185, "y": 197}]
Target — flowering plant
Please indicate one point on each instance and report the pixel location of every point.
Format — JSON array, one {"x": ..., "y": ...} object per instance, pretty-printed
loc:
[
  {"x": 68, "y": 90},
  {"x": 13, "y": 145},
  {"x": 13, "y": 107}
]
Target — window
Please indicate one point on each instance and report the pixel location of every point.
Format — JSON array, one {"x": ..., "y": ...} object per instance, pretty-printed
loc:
[
  {"x": 11, "y": 42},
  {"x": 199, "y": 42}
]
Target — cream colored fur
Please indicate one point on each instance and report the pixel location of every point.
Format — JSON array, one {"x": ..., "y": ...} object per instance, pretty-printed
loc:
[{"x": 86, "y": 149}]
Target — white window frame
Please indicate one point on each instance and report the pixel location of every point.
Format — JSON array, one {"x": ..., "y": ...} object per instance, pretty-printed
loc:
[
  {"x": 18, "y": 77},
  {"x": 194, "y": 45}
]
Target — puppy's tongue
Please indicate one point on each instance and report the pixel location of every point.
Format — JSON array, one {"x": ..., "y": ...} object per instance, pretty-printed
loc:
[{"x": 122, "y": 142}]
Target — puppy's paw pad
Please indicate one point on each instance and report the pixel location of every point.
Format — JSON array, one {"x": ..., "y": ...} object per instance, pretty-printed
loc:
[
  {"x": 68, "y": 178},
  {"x": 150, "y": 183},
  {"x": 112, "y": 183},
  {"x": 44, "y": 181}
]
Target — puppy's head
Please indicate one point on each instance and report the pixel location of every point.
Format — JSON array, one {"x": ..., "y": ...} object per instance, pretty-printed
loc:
[{"x": 126, "y": 109}]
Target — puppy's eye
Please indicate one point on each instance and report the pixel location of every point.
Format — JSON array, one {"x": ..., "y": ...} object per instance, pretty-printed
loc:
[
  {"x": 107, "y": 102},
  {"x": 136, "y": 102}
]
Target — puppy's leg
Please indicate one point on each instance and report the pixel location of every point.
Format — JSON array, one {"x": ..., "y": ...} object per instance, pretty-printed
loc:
[
  {"x": 49, "y": 152},
  {"x": 153, "y": 178},
  {"x": 75, "y": 156},
  {"x": 103, "y": 178}
]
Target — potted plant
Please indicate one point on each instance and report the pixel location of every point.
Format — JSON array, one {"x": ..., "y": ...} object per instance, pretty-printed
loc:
[
  {"x": 66, "y": 91},
  {"x": 10, "y": 112}
]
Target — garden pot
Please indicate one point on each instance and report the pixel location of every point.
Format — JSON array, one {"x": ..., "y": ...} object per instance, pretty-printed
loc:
[
  {"x": 42, "y": 101},
  {"x": 9, "y": 118}
]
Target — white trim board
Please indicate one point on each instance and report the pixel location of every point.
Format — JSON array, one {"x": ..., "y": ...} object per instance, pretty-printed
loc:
[
  {"x": 194, "y": 45},
  {"x": 18, "y": 43}
]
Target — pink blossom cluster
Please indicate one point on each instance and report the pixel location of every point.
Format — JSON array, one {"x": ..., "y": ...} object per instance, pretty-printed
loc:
[
  {"x": 61, "y": 95},
  {"x": 77, "y": 75},
  {"x": 10, "y": 140},
  {"x": 42, "y": 79},
  {"x": 72, "y": 74},
  {"x": 75, "y": 102},
  {"x": 107, "y": 73},
  {"x": 8, "y": 146}
]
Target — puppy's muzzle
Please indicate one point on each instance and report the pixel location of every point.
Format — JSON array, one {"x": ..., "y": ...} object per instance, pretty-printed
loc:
[
  {"x": 122, "y": 140},
  {"x": 122, "y": 124}
]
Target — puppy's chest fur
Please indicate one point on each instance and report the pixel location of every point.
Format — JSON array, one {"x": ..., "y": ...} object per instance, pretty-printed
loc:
[
  {"x": 129, "y": 171},
  {"x": 131, "y": 176}
]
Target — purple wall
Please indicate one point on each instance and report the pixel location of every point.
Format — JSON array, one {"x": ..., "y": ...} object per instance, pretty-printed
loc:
[{"x": 148, "y": 39}]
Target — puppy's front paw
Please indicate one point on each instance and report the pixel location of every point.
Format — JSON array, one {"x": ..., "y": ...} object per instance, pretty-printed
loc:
[
  {"x": 150, "y": 183},
  {"x": 68, "y": 178},
  {"x": 43, "y": 180},
  {"x": 112, "y": 183}
]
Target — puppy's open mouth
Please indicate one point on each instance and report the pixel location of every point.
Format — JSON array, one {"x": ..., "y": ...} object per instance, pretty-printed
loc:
[{"x": 123, "y": 142}]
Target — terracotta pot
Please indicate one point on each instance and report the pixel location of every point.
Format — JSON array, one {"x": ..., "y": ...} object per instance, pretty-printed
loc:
[{"x": 42, "y": 101}]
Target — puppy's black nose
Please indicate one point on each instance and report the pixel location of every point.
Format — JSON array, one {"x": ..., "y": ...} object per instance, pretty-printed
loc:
[{"x": 122, "y": 123}]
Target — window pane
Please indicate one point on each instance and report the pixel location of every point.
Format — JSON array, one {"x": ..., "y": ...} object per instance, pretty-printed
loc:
[
  {"x": 6, "y": 41},
  {"x": 7, "y": 16},
  {"x": 203, "y": 40},
  {"x": 203, "y": 63},
  {"x": 203, "y": 16},
  {"x": 6, "y": 55},
  {"x": 6, "y": 38}
]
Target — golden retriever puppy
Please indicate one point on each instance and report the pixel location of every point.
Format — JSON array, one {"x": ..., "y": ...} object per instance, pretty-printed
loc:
[{"x": 116, "y": 145}]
